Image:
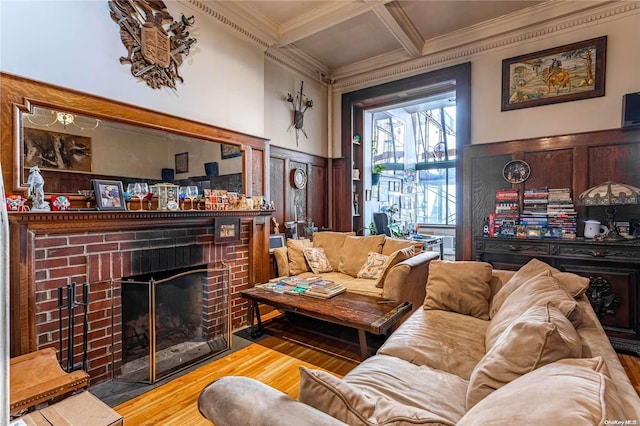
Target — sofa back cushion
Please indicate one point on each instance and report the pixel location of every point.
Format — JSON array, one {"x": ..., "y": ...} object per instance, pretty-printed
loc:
[
  {"x": 351, "y": 405},
  {"x": 573, "y": 284},
  {"x": 569, "y": 391},
  {"x": 355, "y": 250},
  {"x": 461, "y": 287},
  {"x": 539, "y": 290},
  {"x": 297, "y": 262},
  {"x": 538, "y": 337},
  {"x": 392, "y": 245},
  {"x": 332, "y": 243}
]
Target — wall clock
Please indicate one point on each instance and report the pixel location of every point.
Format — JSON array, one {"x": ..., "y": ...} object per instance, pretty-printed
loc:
[
  {"x": 299, "y": 178},
  {"x": 516, "y": 171}
]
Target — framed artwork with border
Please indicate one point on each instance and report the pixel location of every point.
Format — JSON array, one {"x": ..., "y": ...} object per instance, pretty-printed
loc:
[
  {"x": 56, "y": 151},
  {"x": 226, "y": 229},
  {"x": 229, "y": 151},
  {"x": 561, "y": 74},
  {"x": 109, "y": 194},
  {"x": 182, "y": 162}
]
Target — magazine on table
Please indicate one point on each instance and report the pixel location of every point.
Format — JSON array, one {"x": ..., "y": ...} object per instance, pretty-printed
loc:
[{"x": 313, "y": 286}]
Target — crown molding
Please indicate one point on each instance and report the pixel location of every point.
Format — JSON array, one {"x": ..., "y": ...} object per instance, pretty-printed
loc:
[
  {"x": 611, "y": 10},
  {"x": 380, "y": 61},
  {"x": 295, "y": 59}
]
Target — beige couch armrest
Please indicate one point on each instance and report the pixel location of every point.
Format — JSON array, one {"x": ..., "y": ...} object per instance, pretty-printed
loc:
[
  {"x": 407, "y": 280},
  {"x": 235, "y": 400}
]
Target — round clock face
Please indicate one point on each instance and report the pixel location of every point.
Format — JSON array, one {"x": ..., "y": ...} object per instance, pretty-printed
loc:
[
  {"x": 516, "y": 171},
  {"x": 299, "y": 178}
]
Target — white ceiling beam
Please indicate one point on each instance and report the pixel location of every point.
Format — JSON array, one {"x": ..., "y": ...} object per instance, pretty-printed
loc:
[
  {"x": 319, "y": 20},
  {"x": 396, "y": 21}
]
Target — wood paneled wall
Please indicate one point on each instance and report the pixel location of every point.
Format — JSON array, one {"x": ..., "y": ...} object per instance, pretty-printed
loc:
[
  {"x": 311, "y": 201},
  {"x": 576, "y": 161}
]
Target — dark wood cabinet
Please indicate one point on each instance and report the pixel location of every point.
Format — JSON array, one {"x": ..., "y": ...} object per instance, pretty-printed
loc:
[{"x": 612, "y": 267}]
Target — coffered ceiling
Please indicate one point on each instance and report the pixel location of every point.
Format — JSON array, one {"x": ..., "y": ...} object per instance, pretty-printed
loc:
[{"x": 345, "y": 37}]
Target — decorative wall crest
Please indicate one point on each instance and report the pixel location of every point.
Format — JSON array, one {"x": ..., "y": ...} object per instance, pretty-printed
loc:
[{"x": 155, "y": 43}]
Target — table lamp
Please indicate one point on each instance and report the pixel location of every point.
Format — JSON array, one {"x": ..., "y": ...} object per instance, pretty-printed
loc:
[{"x": 610, "y": 194}]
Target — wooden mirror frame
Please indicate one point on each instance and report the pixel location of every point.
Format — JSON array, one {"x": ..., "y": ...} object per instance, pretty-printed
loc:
[{"x": 19, "y": 94}]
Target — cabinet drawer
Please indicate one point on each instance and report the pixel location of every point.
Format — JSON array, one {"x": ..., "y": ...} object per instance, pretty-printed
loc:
[
  {"x": 516, "y": 246},
  {"x": 600, "y": 252}
]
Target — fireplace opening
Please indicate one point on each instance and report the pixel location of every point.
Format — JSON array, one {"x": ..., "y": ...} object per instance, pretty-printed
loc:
[{"x": 171, "y": 320}]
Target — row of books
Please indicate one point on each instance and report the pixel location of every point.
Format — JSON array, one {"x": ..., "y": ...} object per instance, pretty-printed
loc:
[
  {"x": 545, "y": 213},
  {"x": 312, "y": 286}
]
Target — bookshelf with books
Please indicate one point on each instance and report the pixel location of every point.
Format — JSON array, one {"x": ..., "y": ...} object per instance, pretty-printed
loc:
[{"x": 506, "y": 215}]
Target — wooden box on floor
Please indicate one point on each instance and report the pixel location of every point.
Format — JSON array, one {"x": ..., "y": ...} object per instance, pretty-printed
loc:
[{"x": 78, "y": 410}]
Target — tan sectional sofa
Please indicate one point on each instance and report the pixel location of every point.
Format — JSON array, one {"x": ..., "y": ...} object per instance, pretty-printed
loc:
[
  {"x": 404, "y": 267},
  {"x": 489, "y": 348}
]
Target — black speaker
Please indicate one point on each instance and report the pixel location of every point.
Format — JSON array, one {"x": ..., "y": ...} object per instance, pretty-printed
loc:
[
  {"x": 211, "y": 169},
  {"x": 167, "y": 175},
  {"x": 631, "y": 110}
]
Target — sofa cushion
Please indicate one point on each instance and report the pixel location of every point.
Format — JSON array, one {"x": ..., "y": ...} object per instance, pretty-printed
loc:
[
  {"x": 574, "y": 284},
  {"x": 356, "y": 406},
  {"x": 392, "y": 245},
  {"x": 355, "y": 250},
  {"x": 392, "y": 260},
  {"x": 539, "y": 290},
  {"x": 297, "y": 262},
  {"x": 540, "y": 336},
  {"x": 332, "y": 243},
  {"x": 441, "y": 340},
  {"x": 317, "y": 260},
  {"x": 353, "y": 285},
  {"x": 282, "y": 261},
  {"x": 569, "y": 391},
  {"x": 373, "y": 267},
  {"x": 461, "y": 287}
]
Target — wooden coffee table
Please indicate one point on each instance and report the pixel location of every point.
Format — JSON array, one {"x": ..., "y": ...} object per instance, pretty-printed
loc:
[{"x": 364, "y": 313}]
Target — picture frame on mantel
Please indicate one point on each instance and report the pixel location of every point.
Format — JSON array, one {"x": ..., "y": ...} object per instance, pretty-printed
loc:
[
  {"x": 109, "y": 194},
  {"x": 566, "y": 73}
]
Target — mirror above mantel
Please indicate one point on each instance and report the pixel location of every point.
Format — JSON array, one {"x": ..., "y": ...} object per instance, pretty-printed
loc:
[
  {"x": 71, "y": 149},
  {"x": 75, "y": 137}
]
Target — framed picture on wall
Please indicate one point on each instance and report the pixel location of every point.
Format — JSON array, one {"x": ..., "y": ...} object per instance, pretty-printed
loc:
[
  {"x": 226, "y": 229},
  {"x": 229, "y": 151},
  {"x": 561, "y": 74},
  {"x": 55, "y": 150},
  {"x": 182, "y": 162}
]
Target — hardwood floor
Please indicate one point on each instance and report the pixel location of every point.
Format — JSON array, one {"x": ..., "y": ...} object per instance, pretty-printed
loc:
[{"x": 273, "y": 360}]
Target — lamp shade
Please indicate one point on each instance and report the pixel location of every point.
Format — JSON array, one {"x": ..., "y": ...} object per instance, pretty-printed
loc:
[{"x": 610, "y": 194}]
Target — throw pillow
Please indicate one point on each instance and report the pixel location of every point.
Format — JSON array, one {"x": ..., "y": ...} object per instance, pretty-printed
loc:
[
  {"x": 317, "y": 260},
  {"x": 392, "y": 260},
  {"x": 332, "y": 243},
  {"x": 352, "y": 406},
  {"x": 355, "y": 251},
  {"x": 540, "y": 336},
  {"x": 297, "y": 262},
  {"x": 569, "y": 391},
  {"x": 539, "y": 290},
  {"x": 282, "y": 261},
  {"x": 461, "y": 287},
  {"x": 574, "y": 284},
  {"x": 373, "y": 267}
]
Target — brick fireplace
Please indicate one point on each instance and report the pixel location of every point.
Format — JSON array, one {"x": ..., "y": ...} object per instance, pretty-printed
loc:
[{"x": 123, "y": 245}]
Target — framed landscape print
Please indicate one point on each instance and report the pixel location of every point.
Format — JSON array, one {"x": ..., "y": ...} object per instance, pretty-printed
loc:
[
  {"x": 561, "y": 74},
  {"x": 229, "y": 151},
  {"x": 58, "y": 151}
]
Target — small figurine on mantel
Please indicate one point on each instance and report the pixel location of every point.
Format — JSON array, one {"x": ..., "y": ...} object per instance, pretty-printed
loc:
[
  {"x": 36, "y": 191},
  {"x": 276, "y": 225}
]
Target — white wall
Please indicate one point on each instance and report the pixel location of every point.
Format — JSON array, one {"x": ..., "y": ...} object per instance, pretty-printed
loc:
[
  {"x": 278, "y": 81},
  {"x": 489, "y": 124},
  {"x": 76, "y": 44}
]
